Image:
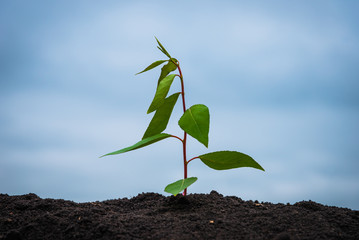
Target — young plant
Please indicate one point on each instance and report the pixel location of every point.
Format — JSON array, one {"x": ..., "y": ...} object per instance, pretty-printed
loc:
[{"x": 194, "y": 122}]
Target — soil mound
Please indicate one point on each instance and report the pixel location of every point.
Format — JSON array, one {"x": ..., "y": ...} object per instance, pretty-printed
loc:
[{"x": 154, "y": 216}]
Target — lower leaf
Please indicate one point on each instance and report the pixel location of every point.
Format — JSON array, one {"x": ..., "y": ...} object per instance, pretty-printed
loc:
[
  {"x": 223, "y": 160},
  {"x": 180, "y": 185},
  {"x": 142, "y": 143}
]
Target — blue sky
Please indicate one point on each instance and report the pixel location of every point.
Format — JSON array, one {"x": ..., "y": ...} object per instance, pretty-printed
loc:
[{"x": 280, "y": 80}]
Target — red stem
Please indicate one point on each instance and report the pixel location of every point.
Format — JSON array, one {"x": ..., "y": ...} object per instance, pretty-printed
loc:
[
  {"x": 184, "y": 141},
  {"x": 185, "y": 160},
  {"x": 192, "y": 159},
  {"x": 177, "y": 137}
]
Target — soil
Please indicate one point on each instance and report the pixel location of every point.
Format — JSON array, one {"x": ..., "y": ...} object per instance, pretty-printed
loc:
[{"x": 154, "y": 216}]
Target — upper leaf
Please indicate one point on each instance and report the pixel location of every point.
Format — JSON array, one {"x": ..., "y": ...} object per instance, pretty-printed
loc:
[
  {"x": 142, "y": 143},
  {"x": 153, "y": 65},
  {"x": 161, "y": 93},
  {"x": 167, "y": 68},
  {"x": 160, "y": 119},
  {"x": 195, "y": 121},
  {"x": 162, "y": 48},
  {"x": 223, "y": 160},
  {"x": 180, "y": 185}
]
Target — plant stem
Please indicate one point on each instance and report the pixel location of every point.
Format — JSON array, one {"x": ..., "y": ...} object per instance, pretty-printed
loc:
[{"x": 184, "y": 141}]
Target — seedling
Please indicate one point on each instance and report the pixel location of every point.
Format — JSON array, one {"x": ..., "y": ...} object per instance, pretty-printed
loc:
[{"x": 194, "y": 122}]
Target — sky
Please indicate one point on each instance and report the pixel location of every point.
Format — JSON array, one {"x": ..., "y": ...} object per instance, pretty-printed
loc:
[{"x": 280, "y": 80}]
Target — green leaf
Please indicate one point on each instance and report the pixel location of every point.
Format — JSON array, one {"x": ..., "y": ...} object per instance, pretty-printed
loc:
[
  {"x": 164, "y": 52},
  {"x": 161, "y": 92},
  {"x": 167, "y": 68},
  {"x": 162, "y": 48},
  {"x": 195, "y": 121},
  {"x": 223, "y": 160},
  {"x": 142, "y": 143},
  {"x": 153, "y": 65},
  {"x": 180, "y": 185},
  {"x": 160, "y": 119}
]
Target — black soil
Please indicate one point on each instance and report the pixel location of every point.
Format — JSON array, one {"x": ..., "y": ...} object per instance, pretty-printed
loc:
[{"x": 154, "y": 216}]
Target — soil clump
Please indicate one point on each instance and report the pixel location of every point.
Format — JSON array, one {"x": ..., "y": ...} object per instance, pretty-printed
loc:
[{"x": 154, "y": 216}]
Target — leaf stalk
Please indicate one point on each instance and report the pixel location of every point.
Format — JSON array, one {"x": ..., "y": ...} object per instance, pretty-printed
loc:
[
  {"x": 177, "y": 137},
  {"x": 192, "y": 159}
]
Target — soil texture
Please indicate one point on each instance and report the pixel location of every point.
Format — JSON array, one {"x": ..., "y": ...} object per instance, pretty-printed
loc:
[{"x": 154, "y": 216}]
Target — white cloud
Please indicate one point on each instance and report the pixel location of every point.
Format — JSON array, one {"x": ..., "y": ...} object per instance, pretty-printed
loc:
[{"x": 86, "y": 103}]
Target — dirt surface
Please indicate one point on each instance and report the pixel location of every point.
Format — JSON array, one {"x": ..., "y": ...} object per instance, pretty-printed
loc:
[{"x": 154, "y": 216}]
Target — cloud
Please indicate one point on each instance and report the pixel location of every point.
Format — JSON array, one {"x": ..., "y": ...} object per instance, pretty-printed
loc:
[{"x": 279, "y": 79}]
